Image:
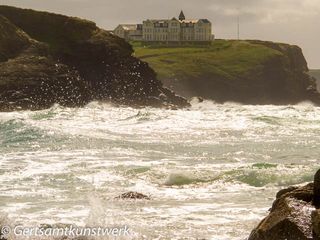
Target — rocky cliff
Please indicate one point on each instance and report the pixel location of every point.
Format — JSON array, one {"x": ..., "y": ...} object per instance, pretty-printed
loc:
[
  {"x": 316, "y": 75},
  {"x": 47, "y": 58},
  {"x": 251, "y": 72}
]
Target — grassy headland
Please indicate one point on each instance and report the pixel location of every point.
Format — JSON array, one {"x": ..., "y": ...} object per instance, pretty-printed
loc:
[
  {"x": 222, "y": 57},
  {"x": 254, "y": 72}
]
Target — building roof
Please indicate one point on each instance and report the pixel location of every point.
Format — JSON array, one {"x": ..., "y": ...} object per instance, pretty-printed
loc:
[
  {"x": 157, "y": 20},
  {"x": 181, "y": 21},
  {"x": 195, "y": 21},
  {"x": 190, "y": 21},
  {"x": 187, "y": 22},
  {"x": 204, "y": 20}
]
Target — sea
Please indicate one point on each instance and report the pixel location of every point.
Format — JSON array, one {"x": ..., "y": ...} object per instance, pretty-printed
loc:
[{"x": 211, "y": 171}]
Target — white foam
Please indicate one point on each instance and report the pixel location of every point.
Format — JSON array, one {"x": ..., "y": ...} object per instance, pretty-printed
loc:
[{"x": 86, "y": 157}]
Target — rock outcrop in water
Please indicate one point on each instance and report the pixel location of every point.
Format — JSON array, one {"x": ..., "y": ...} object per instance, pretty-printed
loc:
[
  {"x": 133, "y": 196},
  {"x": 293, "y": 215},
  {"x": 48, "y": 58}
]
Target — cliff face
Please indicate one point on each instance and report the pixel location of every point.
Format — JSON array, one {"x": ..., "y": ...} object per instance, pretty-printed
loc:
[
  {"x": 48, "y": 58},
  {"x": 316, "y": 75},
  {"x": 286, "y": 76},
  {"x": 251, "y": 72},
  {"x": 30, "y": 78}
]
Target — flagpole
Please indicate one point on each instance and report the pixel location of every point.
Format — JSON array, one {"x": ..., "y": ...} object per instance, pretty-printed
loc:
[{"x": 238, "y": 24}]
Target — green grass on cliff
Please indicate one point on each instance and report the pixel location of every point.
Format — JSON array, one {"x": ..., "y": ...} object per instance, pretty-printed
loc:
[
  {"x": 225, "y": 58},
  {"x": 54, "y": 29},
  {"x": 60, "y": 32},
  {"x": 12, "y": 39}
]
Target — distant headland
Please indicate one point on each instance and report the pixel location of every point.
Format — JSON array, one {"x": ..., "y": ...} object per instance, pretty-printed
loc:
[{"x": 244, "y": 71}]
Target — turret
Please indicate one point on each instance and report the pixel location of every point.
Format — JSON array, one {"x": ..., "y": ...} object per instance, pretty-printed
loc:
[{"x": 181, "y": 16}]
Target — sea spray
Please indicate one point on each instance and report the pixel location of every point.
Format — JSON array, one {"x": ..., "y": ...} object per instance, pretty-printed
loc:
[{"x": 212, "y": 168}]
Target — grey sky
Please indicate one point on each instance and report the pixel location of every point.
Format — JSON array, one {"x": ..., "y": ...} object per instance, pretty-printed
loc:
[{"x": 291, "y": 21}]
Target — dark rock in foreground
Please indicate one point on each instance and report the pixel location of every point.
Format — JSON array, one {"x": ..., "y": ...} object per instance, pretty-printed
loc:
[
  {"x": 292, "y": 216},
  {"x": 48, "y": 58},
  {"x": 315, "y": 217}
]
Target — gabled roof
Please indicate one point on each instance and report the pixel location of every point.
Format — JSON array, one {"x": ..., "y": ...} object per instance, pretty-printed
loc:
[
  {"x": 189, "y": 21},
  {"x": 195, "y": 21}
]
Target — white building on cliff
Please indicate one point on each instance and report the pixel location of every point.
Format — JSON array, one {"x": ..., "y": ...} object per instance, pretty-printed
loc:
[{"x": 167, "y": 30}]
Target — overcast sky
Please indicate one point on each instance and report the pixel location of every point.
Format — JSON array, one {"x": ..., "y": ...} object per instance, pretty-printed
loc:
[{"x": 291, "y": 21}]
